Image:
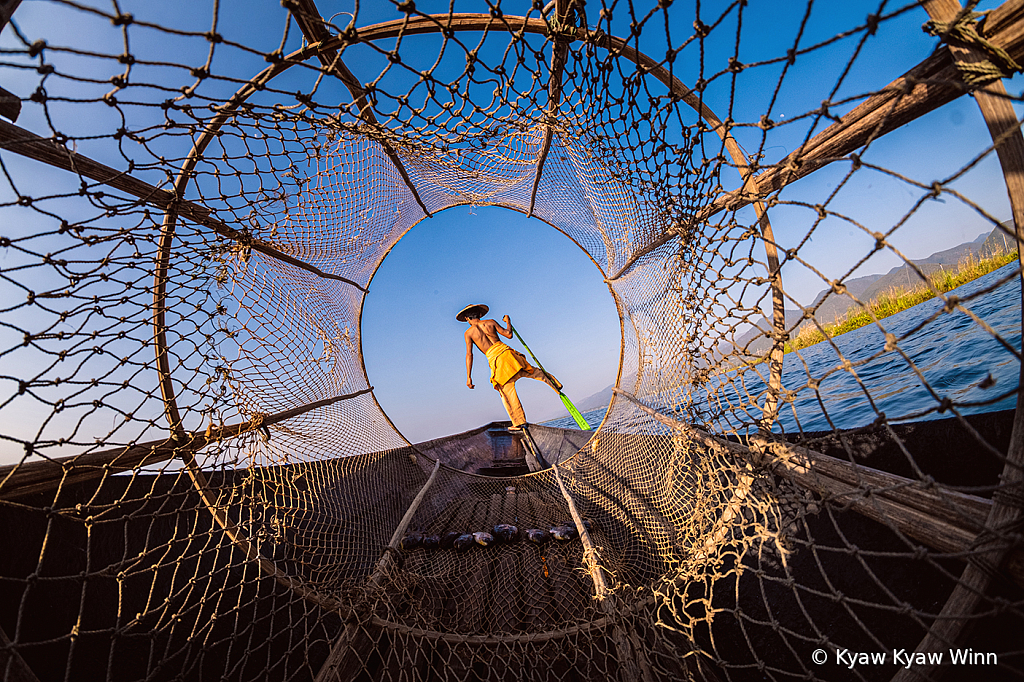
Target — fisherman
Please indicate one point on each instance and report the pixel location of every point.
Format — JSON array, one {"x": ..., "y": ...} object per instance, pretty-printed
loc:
[{"x": 507, "y": 366}]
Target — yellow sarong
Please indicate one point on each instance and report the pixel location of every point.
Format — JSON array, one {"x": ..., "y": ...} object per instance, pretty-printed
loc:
[{"x": 505, "y": 363}]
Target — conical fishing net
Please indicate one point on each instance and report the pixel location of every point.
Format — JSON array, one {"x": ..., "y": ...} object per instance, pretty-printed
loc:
[{"x": 199, "y": 483}]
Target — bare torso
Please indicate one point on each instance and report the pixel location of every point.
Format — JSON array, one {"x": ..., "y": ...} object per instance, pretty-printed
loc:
[{"x": 483, "y": 334}]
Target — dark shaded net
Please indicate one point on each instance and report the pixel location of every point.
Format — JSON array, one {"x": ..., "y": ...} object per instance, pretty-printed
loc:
[{"x": 198, "y": 482}]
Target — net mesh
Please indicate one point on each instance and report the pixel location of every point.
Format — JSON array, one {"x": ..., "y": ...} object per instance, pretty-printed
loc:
[{"x": 198, "y": 482}]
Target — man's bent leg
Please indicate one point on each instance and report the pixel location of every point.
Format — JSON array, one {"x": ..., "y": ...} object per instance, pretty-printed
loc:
[
  {"x": 510, "y": 399},
  {"x": 539, "y": 375}
]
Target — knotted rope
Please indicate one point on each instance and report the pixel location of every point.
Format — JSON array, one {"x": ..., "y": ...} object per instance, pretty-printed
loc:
[{"x": 963, "y": 32}]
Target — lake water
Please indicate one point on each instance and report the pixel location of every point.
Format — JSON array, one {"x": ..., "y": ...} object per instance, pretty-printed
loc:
[{"x": 952, "y": 354}]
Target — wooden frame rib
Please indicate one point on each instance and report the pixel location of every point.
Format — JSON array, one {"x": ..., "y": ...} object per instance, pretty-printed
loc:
[
  {"x": 928, "y": 86},
  {"x": 29, "y": 478},
  {"x": 559, "y": 53},
  {"x": 48, "y": 151},
  {"x": 633, "y": 664},
  {"x": 313, "y": 27}
]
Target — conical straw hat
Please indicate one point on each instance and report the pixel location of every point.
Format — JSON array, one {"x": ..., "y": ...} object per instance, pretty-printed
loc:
[{"x": 478, "y": 308}]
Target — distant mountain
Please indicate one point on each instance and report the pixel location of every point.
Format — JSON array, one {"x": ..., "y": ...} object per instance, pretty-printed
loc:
[
  {"x": 904, "y": 275},
  {"x": 835, "y": 306},
  {"x": 597, "y": 400},
  {"x": 591, "y": 402},
  {"x": 755, "y": 342}
]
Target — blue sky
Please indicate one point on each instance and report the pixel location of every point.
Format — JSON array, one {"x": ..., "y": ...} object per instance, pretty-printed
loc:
[{"x": 520, "y": 267}]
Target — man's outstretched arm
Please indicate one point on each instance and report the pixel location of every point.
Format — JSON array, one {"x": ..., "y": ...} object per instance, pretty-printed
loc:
[
  {"x": 469, "y": 362},
  {"x": 507, "y": 331}
]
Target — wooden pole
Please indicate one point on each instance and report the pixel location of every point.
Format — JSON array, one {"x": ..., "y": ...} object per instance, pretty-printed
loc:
[
  {"x": 10, "y": 105},
  {"x": 633, "y": 664},
  {"x": 7, "y": 10},
  {"x": 18, "y": 481},
  {"x": 526, "y": 444},
  {"x": 313, "y": 27},
  {"x": 559, "y": 52},
  {"x": 30, "y": 145},
  {"x": 353, "y": 645},
  {"x": 770, "y": 411}
]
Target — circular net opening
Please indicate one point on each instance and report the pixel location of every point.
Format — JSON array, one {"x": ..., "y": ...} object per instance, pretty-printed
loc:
[
  {"x": 811, "y": 454},
  {"x": 413, "y": 346}
]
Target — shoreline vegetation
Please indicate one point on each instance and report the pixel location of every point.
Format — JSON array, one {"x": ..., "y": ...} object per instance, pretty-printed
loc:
[
  {"x": 898, "y": 299},
  {"x": 895, "y": 300}
]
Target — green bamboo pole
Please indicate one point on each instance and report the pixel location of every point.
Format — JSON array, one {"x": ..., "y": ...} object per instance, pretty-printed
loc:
[{"x": 580, "y": 421}]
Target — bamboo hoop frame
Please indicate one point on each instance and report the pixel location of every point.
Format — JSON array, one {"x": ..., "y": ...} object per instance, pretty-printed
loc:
[{"x": 456, "y": 22}]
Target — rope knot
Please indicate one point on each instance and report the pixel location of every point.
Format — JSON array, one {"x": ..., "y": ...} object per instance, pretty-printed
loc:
[
  {"x": 242, "y": 248},
  {"x": 562, "y": 29},
  {"x": 256, "y": 423},
  {"x": 963, "y": 32}
]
